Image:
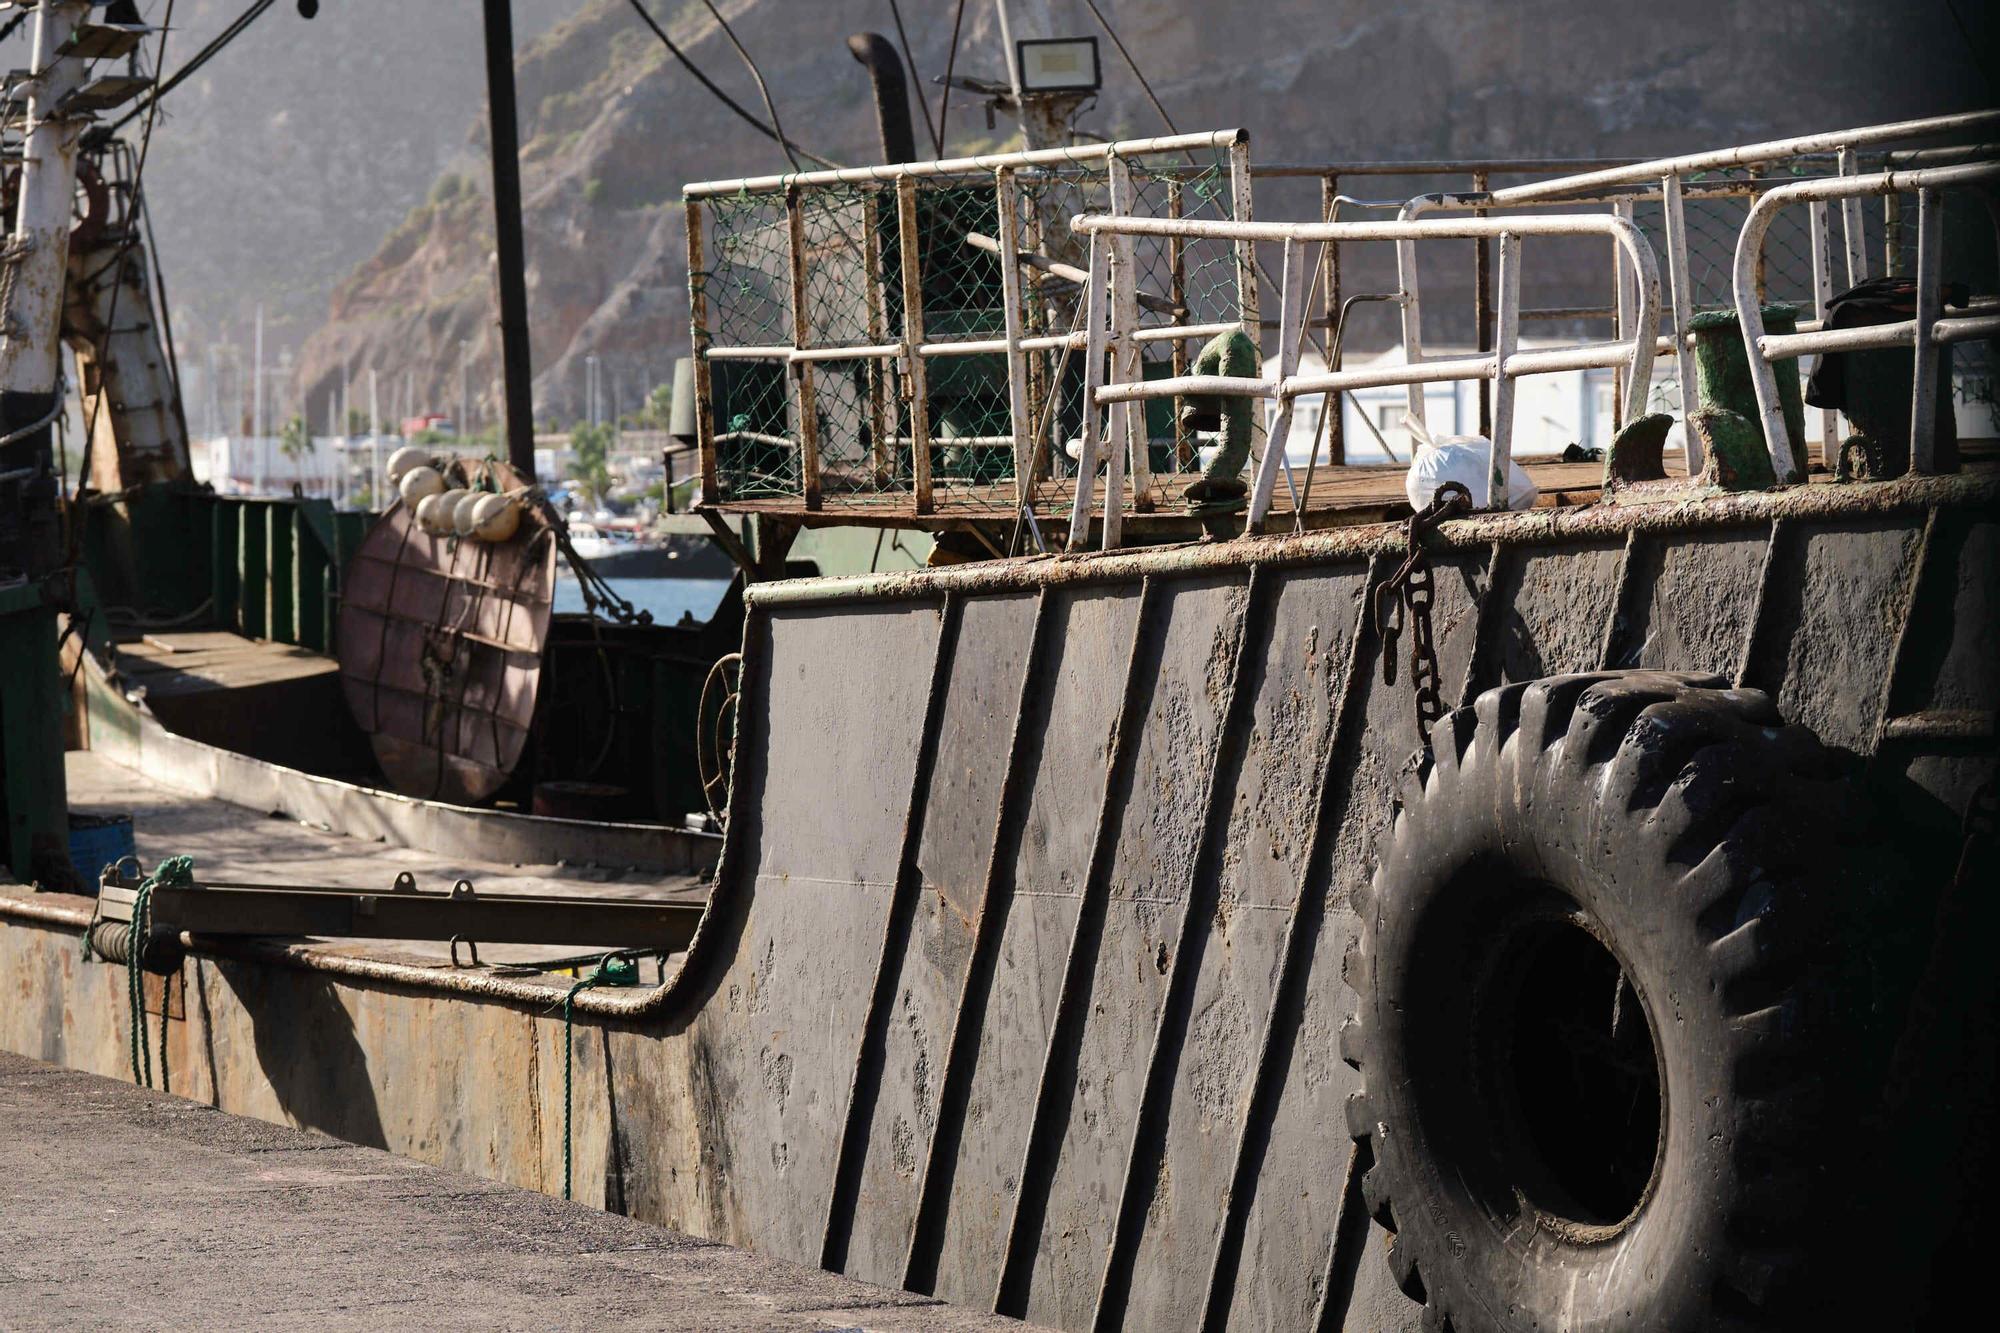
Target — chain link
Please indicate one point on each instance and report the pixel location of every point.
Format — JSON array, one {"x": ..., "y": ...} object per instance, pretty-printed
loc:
[{"x": 1405, "y": 597}]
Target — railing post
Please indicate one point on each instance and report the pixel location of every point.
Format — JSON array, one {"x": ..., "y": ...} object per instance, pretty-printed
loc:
[
  {"x": 1923, "y": 408},
  {"x": 913, "y": 337},
  {"x": 1482, "y": 305},
  {"x": 1291, "y": 320},
  {"x": 1184, "y": 447},
  {"x": 1850, "y": 223},
  {"x": 1131, "y": 446},
  {"x": 1018, "y": 409},
  {"x": 1093, "y": 380},
  {"x": 802, "y": 371},
  {"x": 704, "y": 392},
  {"x": 1622, "y": 279},
  {"x": 1413, "y": 331},
  {"x": 1336, "y": 436},
  {"x": 1683, "y": 311},
  {"x": 1248, "y": 306},
  {"x": 1506, "y": 335},
  {"x": 1822, "y": 280},
  {"x": 882, "y": 460}
]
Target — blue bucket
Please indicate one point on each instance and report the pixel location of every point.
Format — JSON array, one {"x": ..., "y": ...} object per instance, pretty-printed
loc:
[{"x": 96, "y": 841}]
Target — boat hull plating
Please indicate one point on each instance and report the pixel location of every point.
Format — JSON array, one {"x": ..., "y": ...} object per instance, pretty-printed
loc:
[{"x": 1023, "y": 974}]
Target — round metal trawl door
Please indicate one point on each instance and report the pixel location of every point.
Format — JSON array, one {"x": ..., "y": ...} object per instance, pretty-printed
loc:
[{"x": 441, "y": 640}]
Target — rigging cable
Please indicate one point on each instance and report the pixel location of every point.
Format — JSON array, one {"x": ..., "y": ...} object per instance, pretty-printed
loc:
[
  {"x": 923, "y": 102},
  {"x": 1118, "y": 42},
  {"x": 722, "y": 96},
  {"x": 950, "y": 64},
  {"x": 200, "y": 58},
  {"x": 757, "y": 77}
]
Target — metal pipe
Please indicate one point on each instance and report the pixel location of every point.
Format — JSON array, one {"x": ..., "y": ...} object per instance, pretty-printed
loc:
[
  {"x": 1749, "y": 155},
  {"x": 503, "y": 133},
  {"x": 1750, "y": 248},
  {"x": 983, "y": 164},
  {"x": 892, "y": 94}
]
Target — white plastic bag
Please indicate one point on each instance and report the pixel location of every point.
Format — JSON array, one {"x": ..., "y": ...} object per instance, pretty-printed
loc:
[{"x": 1465, "y": 459}]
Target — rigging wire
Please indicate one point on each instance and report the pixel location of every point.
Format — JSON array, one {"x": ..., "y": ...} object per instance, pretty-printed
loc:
[
  {"x": 195, "y": 62},
  {"x": 722, "y": 96},
  {"x": 923, "y": 102},
  {"x": 757, "y": 77},
  {"x": 950, "y": 64},
  {"x": 1119, "y": 42}
]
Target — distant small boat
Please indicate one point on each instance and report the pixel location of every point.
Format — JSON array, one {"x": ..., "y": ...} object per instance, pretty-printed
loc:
[{"x": 617, "y": 554}]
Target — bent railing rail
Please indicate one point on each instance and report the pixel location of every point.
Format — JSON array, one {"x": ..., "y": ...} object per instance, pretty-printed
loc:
[
  {"x": 1503, "y": 365},
  {"x": 1928, "y": 330}
]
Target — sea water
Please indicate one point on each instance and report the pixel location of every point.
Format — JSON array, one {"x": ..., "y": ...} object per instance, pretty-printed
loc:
[{"x": 667, "y": 599}]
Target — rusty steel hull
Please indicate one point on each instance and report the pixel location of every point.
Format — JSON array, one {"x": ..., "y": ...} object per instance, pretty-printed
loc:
[{"x": 1022, "y": 974}]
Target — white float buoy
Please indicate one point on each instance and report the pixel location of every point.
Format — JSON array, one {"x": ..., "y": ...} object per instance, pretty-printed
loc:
[
  {"x": 443, "y": 511},
  {"x": 418, "y": 482},
  {"x": 427, "y": 513},
  {"x": 403, "y": 460},
  {"x": 495, "y": 518},
  {"x": 461, "y": 516}
]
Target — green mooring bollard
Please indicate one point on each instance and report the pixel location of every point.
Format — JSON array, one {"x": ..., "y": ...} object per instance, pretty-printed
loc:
[{"x": 1727, "y": 421}]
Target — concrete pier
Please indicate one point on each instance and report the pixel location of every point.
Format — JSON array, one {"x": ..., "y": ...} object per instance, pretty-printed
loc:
[{"x": 127, "y": 1207}]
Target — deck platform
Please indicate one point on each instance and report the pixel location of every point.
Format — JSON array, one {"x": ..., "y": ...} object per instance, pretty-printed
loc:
[
  {"x": 231, "y": 844},
  {"x": 1338, "y": 497},
  {"x": 120, "y": 1206}
]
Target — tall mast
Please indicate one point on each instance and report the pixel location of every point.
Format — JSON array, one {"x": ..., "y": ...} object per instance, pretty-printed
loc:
[
  {"x": 505, "y": 137},
  {"x": 33, "y": 263}
]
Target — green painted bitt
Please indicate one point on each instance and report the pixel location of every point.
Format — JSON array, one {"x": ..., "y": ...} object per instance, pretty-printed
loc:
[
  {"x": 1728, "y": 421},
  {"x": 254, "y": 596},
  {"x": 1220, "y": 488},
  {"x": 225, "y": 564},
  {"x": 309, "y": 562},
  {"x": 279, "y": 520},
  {"x": 34, "y": 801}
]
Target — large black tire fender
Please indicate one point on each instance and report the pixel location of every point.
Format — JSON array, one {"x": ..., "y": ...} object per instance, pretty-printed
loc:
[{"x": 1603, "y": 976}]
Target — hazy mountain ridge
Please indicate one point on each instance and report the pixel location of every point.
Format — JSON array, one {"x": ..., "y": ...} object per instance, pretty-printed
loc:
[{"x": 612, "y": 128}]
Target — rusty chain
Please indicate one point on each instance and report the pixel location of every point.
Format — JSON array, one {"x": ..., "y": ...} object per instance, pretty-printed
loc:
[{"x": 1405, "y": 597}]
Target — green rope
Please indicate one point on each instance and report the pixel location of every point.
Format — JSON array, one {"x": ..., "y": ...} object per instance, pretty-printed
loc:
[
  {"x": 175, "y": 870},
  {"x": 616, "y": 969}
]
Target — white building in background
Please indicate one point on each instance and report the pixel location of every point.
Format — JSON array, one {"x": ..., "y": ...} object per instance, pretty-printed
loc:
[{"x": 335, "y": 468}]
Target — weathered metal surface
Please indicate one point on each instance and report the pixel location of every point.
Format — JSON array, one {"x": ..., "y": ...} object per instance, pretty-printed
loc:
[
  {"x": 402, "y": 911},
  {"x": 129, "y": 734},
  {"x": 1022, "y": 976},
  {"x": 441, "y": 649}
]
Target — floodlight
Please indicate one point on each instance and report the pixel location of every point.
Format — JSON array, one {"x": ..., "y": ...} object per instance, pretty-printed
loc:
[{"x": 1058, "y": 65}]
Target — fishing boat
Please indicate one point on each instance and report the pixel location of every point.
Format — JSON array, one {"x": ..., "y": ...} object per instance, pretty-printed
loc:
[{"x": 1210, "y": 894}]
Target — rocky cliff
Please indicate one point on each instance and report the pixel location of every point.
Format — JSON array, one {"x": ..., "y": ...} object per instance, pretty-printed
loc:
[{"x": 612, "y": 127}]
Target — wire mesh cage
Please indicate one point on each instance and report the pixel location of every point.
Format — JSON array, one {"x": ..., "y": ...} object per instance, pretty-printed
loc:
[{"x": 910, "y": 338}]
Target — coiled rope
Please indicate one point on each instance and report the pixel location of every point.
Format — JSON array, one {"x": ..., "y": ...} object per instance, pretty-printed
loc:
[{"x": 178, "y": 871}]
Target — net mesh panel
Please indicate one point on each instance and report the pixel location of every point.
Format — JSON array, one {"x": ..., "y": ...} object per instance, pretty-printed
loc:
[{"x": 853, "y": 296}]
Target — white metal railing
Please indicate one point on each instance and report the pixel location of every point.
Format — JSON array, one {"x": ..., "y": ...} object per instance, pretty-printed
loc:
[
  {"x": 1928, "y": 330},
  {"x": 1664, "y": 180},
  {"x": 1503, "y": 365}
]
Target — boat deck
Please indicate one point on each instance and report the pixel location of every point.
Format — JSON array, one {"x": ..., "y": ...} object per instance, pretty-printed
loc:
[
  {"x": 1338, "y": 497},
  {"x": 231, "y": 844},
  {"x": 124, "y": 1207}
]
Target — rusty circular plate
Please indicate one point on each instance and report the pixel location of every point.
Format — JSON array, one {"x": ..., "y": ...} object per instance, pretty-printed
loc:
[{"x": 440, "y": 646}]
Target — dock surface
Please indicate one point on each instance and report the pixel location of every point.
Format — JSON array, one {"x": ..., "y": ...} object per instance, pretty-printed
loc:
[{"x": 129, "y": 1207}]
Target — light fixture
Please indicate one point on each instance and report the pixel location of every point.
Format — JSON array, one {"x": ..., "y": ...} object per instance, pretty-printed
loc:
[{"x": 1058, "y": 65}]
